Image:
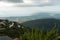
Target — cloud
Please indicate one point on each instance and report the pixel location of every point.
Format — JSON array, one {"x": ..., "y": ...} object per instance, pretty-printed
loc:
[
  {"x": 16, "y": 1},
  {"x": 13, "y": 1},
  {"x": 55, "y": 2},
  {"x": 6, "y": 4},
  {"x": 40, "y": 3},
  {"x": 32, "y": 5},
  {"x": 27, "y": 11},
  {"x": 12, "y": 8},
  {"x": 29, "y": 3}
]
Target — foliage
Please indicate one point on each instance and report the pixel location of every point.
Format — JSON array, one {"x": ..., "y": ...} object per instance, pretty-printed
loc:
[
  {"x": 26, "y": 33},
  {"x": 37, "y": 34}
]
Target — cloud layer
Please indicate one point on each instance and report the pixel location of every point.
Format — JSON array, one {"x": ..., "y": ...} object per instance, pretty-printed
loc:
[
  {"x": 21, "y": 8},
  {"x": 24, "y": 3},
  {"x": 13, "y": 1},
  {"x": 29, "y": 2}
]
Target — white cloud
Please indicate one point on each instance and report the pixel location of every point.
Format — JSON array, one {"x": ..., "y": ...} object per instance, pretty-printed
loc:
[
  {"x": 5, "y": 4},
  {"x": 29, "y": 3},
  {"x": 33, "y": 3},
  {"x": 9, "y": 9},
  {"x": 27, "y": 11},
  {"x": 13, "y": 1}
]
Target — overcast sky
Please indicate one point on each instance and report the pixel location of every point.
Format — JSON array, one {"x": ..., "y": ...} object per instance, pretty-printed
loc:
[{"x": 28, "y": 7}]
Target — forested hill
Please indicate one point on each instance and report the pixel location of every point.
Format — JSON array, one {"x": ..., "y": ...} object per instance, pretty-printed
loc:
[
  {"x": 11, "y": 28},
  {"x": 47, "y": 24}
]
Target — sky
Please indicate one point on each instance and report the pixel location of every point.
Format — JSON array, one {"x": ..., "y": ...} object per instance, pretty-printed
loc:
[{"x": 28, "y": 7}]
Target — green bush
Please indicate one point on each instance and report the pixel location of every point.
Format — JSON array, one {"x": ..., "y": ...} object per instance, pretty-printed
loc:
[
  {"x": 37, "y": 34},
  {"x": 32, "y": 34}
]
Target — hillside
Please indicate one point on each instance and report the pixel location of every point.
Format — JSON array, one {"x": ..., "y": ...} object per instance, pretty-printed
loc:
[
  {"x": 28, "y": 18},
  {"x": 47, "y": 24},
  {"x": 14, "y": 29},
  {"x": 32, "y": 17}
]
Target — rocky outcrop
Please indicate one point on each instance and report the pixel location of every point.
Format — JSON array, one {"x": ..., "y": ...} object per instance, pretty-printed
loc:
[{"x": 11, "y": 28}]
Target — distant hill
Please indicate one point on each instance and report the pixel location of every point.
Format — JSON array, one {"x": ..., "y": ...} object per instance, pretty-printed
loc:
[
  {"x": 32, "y": 17},
  {"x": 28, "y": 18},
  {"x": 57, "y": 16},
  {"x": 17, "y": 19},
  {"x": 47, "y": 24}
]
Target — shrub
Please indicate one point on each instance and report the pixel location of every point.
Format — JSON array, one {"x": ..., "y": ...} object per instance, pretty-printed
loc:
[{"x": 37, "y": 34}]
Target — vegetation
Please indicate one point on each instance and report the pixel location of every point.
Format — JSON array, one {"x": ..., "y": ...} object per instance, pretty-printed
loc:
[
  {"x": 33, "y": 34},
  {"x": 27, "y": 33},
  {"x": 40, "y": 35}
]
